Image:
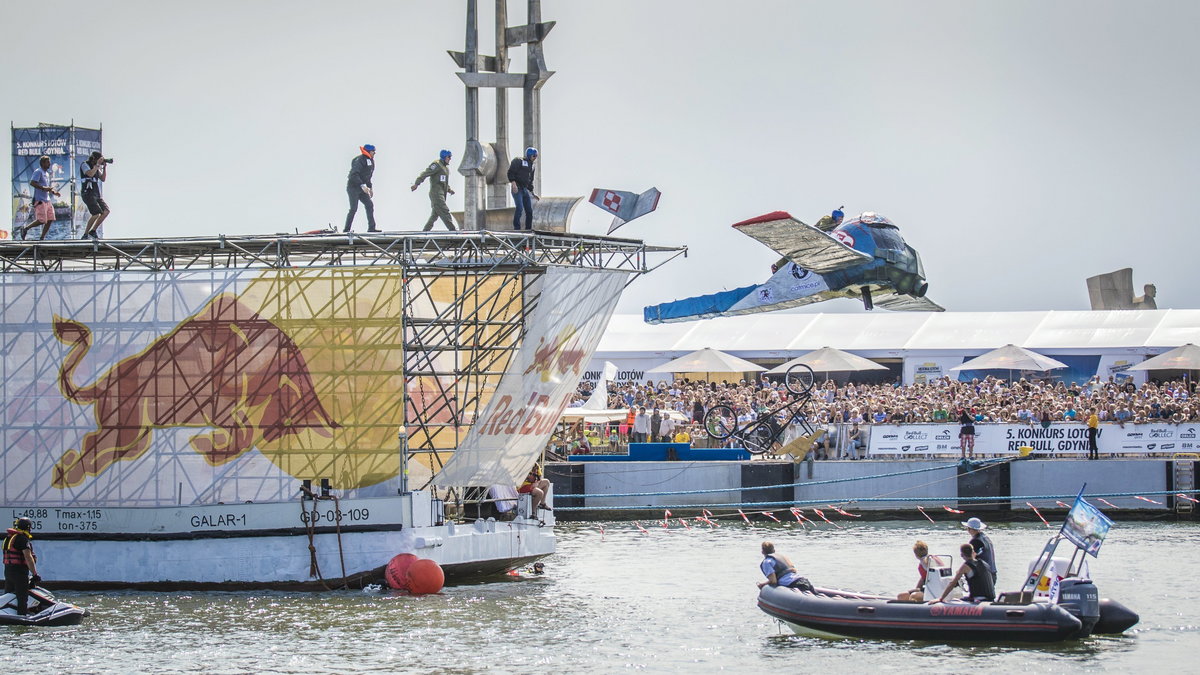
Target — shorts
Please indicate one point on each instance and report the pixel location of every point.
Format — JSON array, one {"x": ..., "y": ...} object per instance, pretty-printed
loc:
[
  {"x": 43, "y": 212},
  {"x": 95, "y": 203}
]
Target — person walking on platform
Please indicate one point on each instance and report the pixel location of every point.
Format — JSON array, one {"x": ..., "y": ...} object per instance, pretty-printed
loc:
[
  {"x": 358, "y": 186},
  {"x": 438, "y": 174},
  {"x": 520, "y": 178},
  {"x": 43, "y": 207},
  {"x": 20, "y": 564}
]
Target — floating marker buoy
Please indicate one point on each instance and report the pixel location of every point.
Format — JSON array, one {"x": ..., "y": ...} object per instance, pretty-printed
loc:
[
  {"x": 396, "y": 572},
  {"x": 425, "y": 576}
]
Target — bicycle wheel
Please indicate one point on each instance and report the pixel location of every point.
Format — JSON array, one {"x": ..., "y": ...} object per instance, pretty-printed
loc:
[
  {"x": 720, "y": 422},
  {"x": 760, "y": 440},
  {"x": 799, "y": 379}
]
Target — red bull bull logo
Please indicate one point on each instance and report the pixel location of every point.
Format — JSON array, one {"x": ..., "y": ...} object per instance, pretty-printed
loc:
[
  {"x": 557, "y": 357},
  {"x": 226, "y": 368}
]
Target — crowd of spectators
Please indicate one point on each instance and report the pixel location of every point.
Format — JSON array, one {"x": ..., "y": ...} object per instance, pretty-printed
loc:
[{"x": 987, "y": 400}]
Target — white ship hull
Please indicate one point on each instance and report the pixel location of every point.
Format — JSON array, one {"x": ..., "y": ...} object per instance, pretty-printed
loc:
[{"x": 244, "y": 546}]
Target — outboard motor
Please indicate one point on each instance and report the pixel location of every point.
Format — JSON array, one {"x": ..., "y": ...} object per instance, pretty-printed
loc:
[{"x": 1081, "y": 599}]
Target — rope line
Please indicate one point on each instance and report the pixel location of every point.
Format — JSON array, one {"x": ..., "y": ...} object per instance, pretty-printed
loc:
[{"x": 810, "y": 502}]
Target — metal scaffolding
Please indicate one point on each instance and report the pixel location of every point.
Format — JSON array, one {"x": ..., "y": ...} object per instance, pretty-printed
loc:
[{"x": 455, "y": 304}]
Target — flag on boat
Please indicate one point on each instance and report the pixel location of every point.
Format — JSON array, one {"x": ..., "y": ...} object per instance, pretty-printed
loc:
[{"x": 1086, "y": 526}]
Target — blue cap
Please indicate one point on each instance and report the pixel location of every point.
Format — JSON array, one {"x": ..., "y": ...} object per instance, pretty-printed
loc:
[
  {"x": 531, "y": 152},
  {"x": 837, "y": 214},
  {"x": 369, "y": 148},
  {"x": 444, "y": 155}
]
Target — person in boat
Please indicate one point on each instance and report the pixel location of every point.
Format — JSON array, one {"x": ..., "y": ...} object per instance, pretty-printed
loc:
[
  {"x": 779, "y": 570},
  {"x": 536, "y": 487},
  {"x": 978, "y": 575},
  {"x": 982, "y": 544},
  {"x": 20, "y": 563},
  {"x": 917, "y": 594}
]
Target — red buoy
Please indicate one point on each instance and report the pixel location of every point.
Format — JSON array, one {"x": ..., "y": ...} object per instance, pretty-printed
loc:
[
  {"x": 425, "y": 576},
  {"x": 396, "y": 572}
]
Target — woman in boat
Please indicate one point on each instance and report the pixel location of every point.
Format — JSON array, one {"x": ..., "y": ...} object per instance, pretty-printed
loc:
[
  {"x": 978, "y": 576},
  {"x": 917, "y": 594}
]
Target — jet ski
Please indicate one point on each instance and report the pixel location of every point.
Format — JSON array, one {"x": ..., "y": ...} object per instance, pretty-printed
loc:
[{"x": 43, "y": 610}]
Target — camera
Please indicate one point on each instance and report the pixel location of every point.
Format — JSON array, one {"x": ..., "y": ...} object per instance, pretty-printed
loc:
[{"x": 107, "y": 160}]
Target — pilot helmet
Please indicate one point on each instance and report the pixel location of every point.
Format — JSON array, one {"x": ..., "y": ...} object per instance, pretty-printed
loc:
[{"x": 837, "y": 214}]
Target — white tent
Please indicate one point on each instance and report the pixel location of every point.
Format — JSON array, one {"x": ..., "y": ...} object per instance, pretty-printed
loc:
[
  {"x": 829, "y": 360},
  {"x": 1011, "y": 357},
  {"x": 1186, "y": 357},
  {"x": 707, "y": 361}
]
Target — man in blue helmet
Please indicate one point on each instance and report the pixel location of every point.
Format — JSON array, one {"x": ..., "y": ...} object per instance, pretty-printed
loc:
[
  {"x": 358, "y": 186},
  {"x": 520, "y": 178},
  {"x": 438, "y": 174},
  {"x": 827, "y": 223},
  {"x": 830, "y": 222}
]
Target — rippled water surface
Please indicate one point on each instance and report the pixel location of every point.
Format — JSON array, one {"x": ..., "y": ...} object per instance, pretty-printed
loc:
[{"x": 664, "y": 601}]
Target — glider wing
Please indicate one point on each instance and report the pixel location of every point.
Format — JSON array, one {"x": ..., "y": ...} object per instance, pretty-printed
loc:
[{"x": 803, "y": 244}]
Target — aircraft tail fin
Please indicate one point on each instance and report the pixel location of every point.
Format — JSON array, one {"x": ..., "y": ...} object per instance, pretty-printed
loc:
[{"x": 625, "y": 206}]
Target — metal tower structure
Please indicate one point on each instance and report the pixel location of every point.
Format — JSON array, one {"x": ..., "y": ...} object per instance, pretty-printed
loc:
[{"x": 485, "y": 165}]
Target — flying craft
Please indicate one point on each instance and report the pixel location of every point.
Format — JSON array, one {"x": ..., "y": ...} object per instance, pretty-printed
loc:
[{"x": 863, "y": 258}]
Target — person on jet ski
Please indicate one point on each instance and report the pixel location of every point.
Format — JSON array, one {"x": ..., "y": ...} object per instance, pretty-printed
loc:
[
  {"x": 779, "y": 570},
  {"x": 978, "y": 576},
  {"x": 20, "y": 563}
]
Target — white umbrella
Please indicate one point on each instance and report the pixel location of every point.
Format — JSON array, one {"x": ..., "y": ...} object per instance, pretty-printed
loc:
[
  {"x": 829, "y": 360},
  {"x": 1186, "y": 357},
  {"x": 707, "y": 360},
  {"x": 1011, "y": 357}
]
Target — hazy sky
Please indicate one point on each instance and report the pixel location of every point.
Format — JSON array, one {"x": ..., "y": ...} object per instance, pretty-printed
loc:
[{"x": 1021, "y": 146}]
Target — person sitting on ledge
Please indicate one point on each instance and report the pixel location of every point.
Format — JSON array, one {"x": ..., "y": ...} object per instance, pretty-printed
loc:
[{"x": 535, "y": 486}]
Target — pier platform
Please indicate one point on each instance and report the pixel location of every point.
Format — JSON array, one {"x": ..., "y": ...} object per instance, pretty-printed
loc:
[{"x": 1137, "y": 488}]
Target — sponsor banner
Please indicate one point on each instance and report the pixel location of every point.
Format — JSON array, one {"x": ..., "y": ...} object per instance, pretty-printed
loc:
[
  {"x": 1117, "y": 366},
  {"x": 562, "y": 333},
  {"x": 628, "y": 370},
  {"x": 1058, "y": 438},
  {"x": 925, "y": 369},
  {"x": 198, "y": 387},
  {"x": 67, "y": 147}
]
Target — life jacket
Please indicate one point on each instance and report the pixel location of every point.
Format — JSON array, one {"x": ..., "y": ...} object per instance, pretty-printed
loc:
[
  {"x": 979, "y": 584},
  {"x": 781, "y": 567},
  {"x": 15, "y": 556}
]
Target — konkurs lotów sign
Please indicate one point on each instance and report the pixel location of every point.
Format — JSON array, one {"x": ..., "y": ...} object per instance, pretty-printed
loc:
[{"x": 1065, "y": 438}]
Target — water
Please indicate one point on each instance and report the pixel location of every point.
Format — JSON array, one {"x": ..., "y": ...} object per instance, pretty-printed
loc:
[{"x": 667, "y": 601}]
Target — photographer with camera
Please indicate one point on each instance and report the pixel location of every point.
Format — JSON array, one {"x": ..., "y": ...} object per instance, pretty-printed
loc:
[{"x": 92, "y": 174}]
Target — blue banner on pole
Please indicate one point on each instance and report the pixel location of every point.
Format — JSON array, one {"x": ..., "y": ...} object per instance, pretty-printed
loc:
[
  {"x": 1086, "y": 526},
  {"x": 67, "y": 147}
]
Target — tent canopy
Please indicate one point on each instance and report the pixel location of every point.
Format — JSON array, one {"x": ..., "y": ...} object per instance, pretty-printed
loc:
[
  {"x": 1186, "y": 357},
  {"x": 829, "y": 360},
  {"x": 1011, "y": 357},
  {"x": 707, "y": 360}
]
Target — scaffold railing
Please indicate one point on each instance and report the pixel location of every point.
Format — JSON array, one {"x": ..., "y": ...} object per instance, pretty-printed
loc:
[{"x": 476, "y": 250}]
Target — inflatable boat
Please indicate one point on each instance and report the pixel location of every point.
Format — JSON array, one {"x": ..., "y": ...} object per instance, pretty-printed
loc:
[
  {"x": 43, "y": 610},
  {"x": 1013, "y": 617}
]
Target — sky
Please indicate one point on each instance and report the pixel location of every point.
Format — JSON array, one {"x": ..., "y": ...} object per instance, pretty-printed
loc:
[{"x": 1021, "y": 146}]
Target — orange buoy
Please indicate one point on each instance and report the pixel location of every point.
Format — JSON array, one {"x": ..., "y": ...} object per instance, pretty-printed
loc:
[
  {"x": 396, "y": 572},
  {"x": 425, "y": 576}
]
